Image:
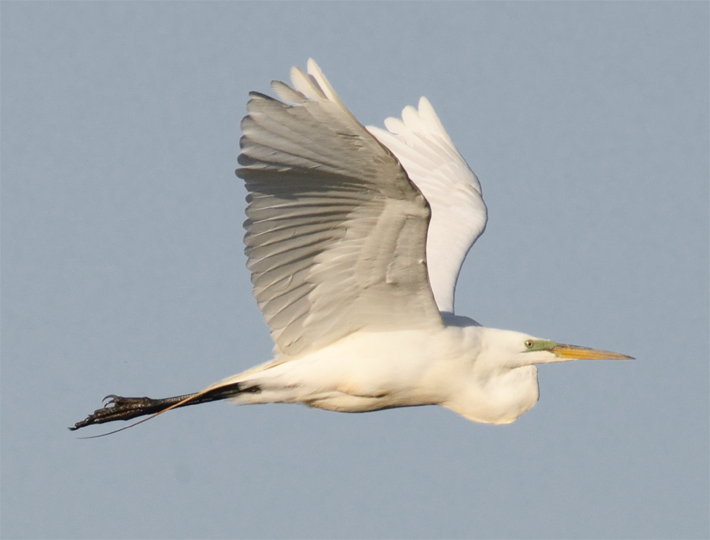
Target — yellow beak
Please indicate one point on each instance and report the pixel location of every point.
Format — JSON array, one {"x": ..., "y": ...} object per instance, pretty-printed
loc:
[{"x": 572, "y": 352}]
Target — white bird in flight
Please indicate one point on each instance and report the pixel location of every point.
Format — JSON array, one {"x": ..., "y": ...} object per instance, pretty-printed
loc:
[{"x": 355, "y": 238}]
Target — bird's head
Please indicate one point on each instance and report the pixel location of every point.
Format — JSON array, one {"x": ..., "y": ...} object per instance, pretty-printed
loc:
[
  {"x": 515, "y": 349},
  {"x": 543, "y": 351}
]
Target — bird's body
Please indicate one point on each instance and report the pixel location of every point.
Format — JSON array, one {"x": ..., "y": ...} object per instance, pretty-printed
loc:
[
  {"x": 366, "y": 371},
  {"x": 355, "y": 237}
]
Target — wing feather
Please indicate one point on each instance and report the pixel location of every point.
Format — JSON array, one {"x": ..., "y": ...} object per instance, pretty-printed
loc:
[
  {"x": 459, "y": 215},
  {"x": 336, "y": 232}
]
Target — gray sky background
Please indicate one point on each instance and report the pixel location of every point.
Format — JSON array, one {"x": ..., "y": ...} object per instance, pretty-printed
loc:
[{"x": 123, "y": 271}]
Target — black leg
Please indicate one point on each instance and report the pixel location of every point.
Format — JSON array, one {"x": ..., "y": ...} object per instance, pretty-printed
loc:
[{"x": 126, "y": 408}]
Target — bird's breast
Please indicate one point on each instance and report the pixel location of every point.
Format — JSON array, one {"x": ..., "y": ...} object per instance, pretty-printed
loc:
[{"x": 497, "y": 398}]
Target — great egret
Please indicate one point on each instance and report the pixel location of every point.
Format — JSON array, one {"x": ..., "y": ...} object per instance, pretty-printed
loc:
[{"x": 355, "y": 237}]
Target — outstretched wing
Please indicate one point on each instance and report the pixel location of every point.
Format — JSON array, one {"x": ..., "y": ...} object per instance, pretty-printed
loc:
[
  {"x": 459, "y": 214},
  {"x": 336, "y": 232}
]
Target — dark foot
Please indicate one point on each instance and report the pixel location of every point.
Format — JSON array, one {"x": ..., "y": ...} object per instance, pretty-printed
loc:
[{"x": 125, "y": 408}]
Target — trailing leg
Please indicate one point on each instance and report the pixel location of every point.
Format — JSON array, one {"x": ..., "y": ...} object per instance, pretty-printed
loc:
[{"x": 126, "y": 408}]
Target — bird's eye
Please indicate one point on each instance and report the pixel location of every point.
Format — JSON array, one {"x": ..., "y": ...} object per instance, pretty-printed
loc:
[{"x": 529, "y": 343}]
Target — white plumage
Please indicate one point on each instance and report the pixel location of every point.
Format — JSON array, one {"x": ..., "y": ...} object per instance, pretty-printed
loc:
[
  {"x": 355, "y": 237},
  {"x": 452, "y": 190}
]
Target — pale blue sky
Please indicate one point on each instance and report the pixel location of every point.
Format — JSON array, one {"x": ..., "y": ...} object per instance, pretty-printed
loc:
[{"x": 123, "y": 271}]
